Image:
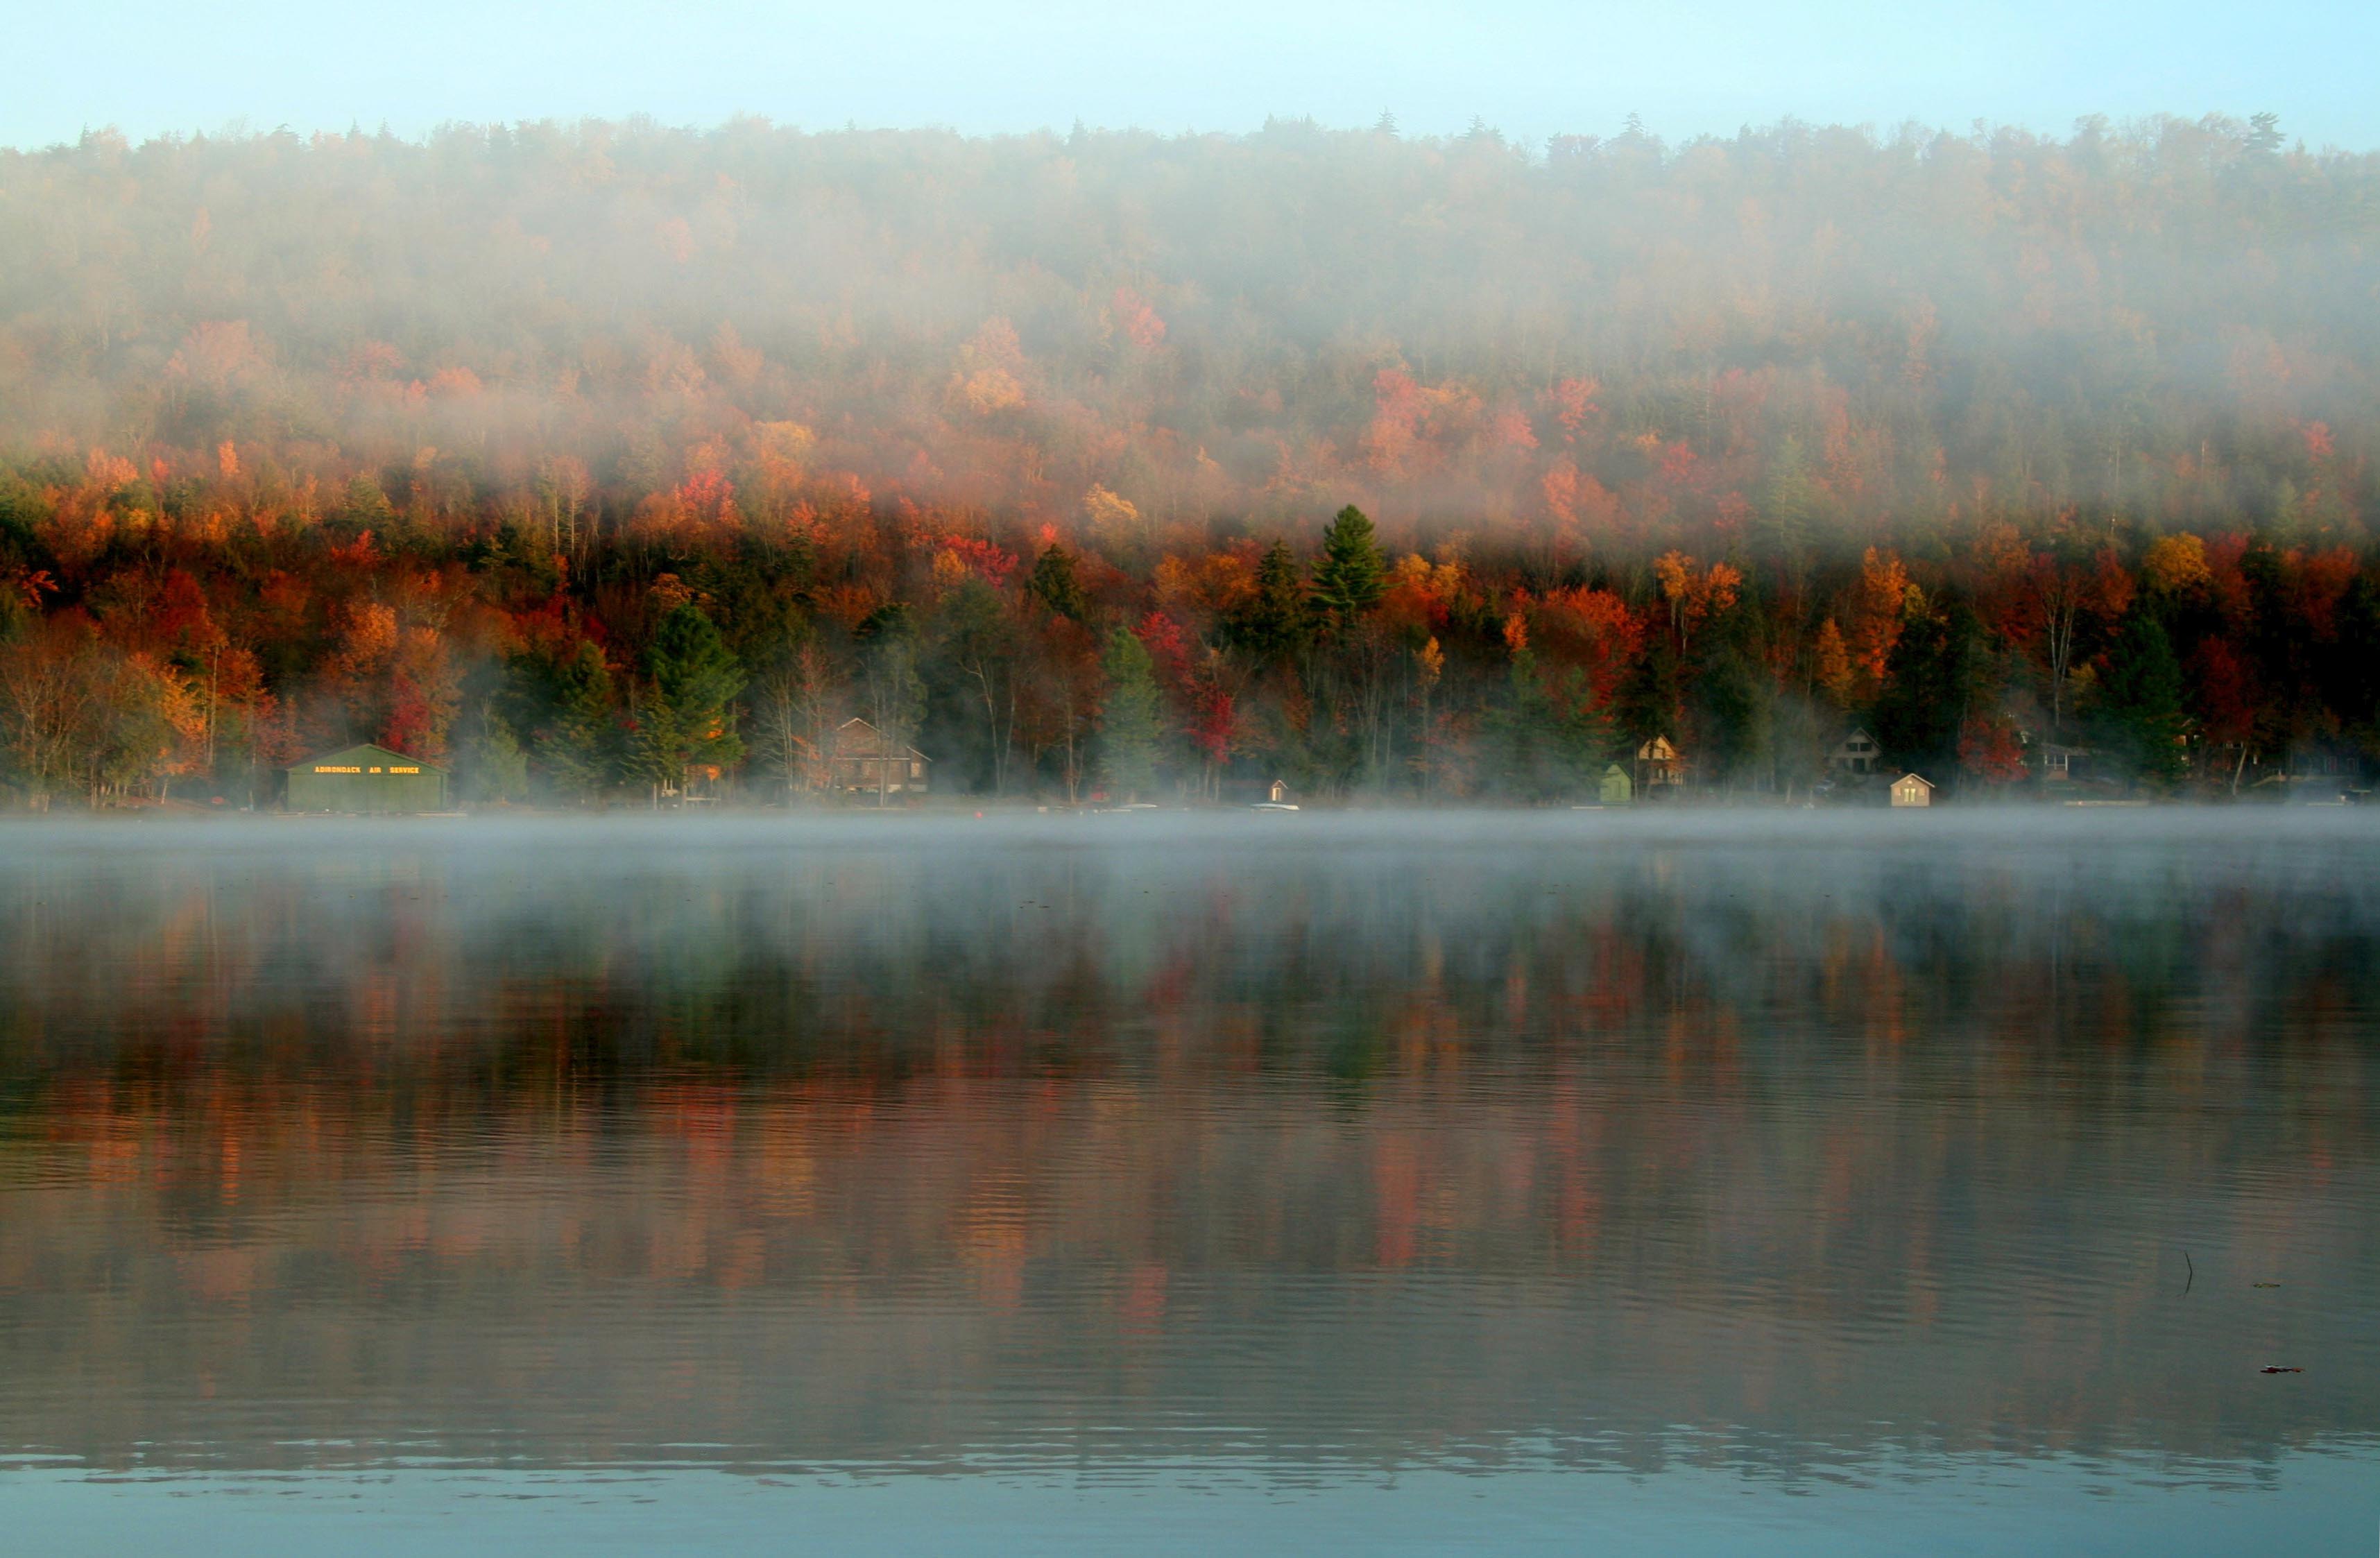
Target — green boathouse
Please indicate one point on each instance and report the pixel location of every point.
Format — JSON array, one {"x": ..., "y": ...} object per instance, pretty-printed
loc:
[{"x": 365, "y": 779}]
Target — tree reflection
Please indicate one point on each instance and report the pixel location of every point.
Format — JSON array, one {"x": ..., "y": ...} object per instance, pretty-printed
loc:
[{"x": 888, "y": 1155}]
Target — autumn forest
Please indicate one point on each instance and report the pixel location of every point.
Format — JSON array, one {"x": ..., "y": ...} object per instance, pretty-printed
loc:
[{"x": 609, "y": 463}]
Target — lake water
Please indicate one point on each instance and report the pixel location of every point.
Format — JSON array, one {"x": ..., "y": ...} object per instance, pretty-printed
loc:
[{"x": 1804, "y": 1183}]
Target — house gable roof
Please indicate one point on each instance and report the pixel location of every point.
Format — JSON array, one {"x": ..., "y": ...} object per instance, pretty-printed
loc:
[
  {"x": 364, "y": 754},
  {"x": 860, "y": 739}
]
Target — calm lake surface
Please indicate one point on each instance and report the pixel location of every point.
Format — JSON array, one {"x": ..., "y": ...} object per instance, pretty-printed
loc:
[{"x": 1572, "y": 1181}]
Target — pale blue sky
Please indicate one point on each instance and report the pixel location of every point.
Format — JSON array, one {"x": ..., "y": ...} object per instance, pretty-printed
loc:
[{"x": 1531, "y": 68}]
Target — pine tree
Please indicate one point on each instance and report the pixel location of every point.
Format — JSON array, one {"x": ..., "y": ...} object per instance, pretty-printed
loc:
[
  {"x": 1129, "y": 733},
  {"x": 1929, "y": 683},
  {"x": 493, "y": 766},
  {"x": 1055, "y": 585},
  {"x": 686, "y": 720},
  {"x": 2140, "y": 699},
  {"x": 2354, "y": 679},
  {"x": 364, "y": 507},
  {"x": 1273, "y": 624},
  {"x": 580, "y": 750},
  {"x": 1350, "y": 577}
]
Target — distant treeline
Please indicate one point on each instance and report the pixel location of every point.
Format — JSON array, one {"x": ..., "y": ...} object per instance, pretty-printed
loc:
[
  {"x": 143, "y": 653},
  {"x": 607, "y": 458}
]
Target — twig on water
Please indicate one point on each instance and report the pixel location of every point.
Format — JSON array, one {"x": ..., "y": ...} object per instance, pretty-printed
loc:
[{"x": 2193, "y": 1274}]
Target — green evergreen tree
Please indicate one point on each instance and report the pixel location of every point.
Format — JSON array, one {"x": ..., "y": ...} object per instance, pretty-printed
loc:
[
  {"x": 1543, "y": 738},
  {"x": 1055, "y": 585},
  {"x": 1733, "y": 704},
  {"x": 1652, "y": 701},
  {"x": 1349, "y": 738},
  {"x": 365, "y": 507},
  {"x": 1350, "y": 576},
  {"x": 1131, "y": 730},
  {"x": 1928, "y": 685},
  {"x": 493, "y": 766},
  {"x": 580, "y": 751},
  {"x": 1272, "y": 625},
  {"x": 688, "y": 718},
  {"x": 2354, "y": 665},
  {"x": 2140, "y": 700}
]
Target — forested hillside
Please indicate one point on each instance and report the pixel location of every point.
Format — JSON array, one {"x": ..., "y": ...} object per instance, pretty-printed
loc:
[{"x": 602, "y": 459}]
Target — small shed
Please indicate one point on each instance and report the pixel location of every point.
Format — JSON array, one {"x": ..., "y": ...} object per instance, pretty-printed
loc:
[
  {"x": 1659, "y": 764},
  {"x": 367, "y": 779},
  {"x": 2060, "y": 763},
  {"x": 1615, "y": 789},
  {"x": 1279, "y": 792},
  {"x": 1912, "y": 789},
  {"x": 863, "y": 759}
]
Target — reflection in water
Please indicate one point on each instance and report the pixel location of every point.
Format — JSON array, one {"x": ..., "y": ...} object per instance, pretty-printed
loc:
[{"x": 1814, "y": 1152}]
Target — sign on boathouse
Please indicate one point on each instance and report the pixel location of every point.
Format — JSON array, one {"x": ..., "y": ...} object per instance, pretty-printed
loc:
[{"x": 365, "y": 779}]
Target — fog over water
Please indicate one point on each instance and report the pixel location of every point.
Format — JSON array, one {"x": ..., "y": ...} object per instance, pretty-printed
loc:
[{"x": 1920, "y": 1175}]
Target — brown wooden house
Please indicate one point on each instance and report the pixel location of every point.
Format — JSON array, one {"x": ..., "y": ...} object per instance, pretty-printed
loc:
[
  {"x": 1855, "y": 753},
  {"x": 860, "y": 761},
  {"x": 1660, "y": 766}
]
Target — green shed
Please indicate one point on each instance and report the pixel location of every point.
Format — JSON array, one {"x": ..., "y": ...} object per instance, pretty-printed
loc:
[
  {"x": 1617, "y": 790},
  {"x": 365, "y": 779}
]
